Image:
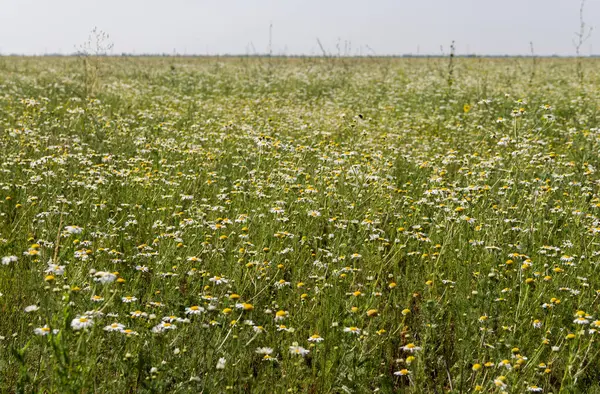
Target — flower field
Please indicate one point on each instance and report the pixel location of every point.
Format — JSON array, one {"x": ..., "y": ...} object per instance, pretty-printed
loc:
[{"x": 326, "y": 225}]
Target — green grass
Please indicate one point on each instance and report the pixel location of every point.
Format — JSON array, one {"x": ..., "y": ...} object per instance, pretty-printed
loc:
[{"x": 361, "y": 195}]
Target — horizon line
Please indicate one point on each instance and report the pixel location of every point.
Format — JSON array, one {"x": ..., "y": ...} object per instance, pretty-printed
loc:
[{"x": 282, "y": 56}]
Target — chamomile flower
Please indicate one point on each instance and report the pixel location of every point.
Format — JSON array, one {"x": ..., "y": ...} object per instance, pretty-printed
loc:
[
  {"x": 114, "y": 327},
  {"x": 55, "y": 269},
  {"x": 104, "y": 277},
  {"x": 314, "y": 213},
  {"x": 81, "y": 322},
  {"x": 6, "y": 260},
  {"x": 298, "y": 350},
  {"x": 194, "y": 310},
  {"x": 218, "y": 280},
  {"x": 73, "y": 230},
  {"x": 263, "y": 350},
  {"x": 42, "y": 331},
  {"x": 163, "y": 326},
  {"x": 411, "y": 348},
  {"x": 281, "y": 315},
  {"x": 315, "y": 338}
]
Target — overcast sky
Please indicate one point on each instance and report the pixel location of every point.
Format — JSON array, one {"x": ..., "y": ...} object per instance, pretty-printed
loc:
[{"x": 242, "y": 26}]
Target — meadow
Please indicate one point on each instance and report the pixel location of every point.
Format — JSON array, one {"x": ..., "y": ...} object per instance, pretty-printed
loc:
[{"x": 324, "y": 225}]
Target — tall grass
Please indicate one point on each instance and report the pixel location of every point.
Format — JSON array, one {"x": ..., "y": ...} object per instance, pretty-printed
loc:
[{"x": 328, "y": 226}]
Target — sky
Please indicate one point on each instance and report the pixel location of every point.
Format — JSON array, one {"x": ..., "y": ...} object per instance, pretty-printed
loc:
[{"x": 350, "y": 27}]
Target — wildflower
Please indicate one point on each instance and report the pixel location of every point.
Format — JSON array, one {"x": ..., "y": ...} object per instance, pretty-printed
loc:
[
  {"x": 221, "y": 363},
  {"x": 114, "y": 327},
  {"x": 31, "y": 308},
  {"x": 42, "y": 331},
  {"x": 263, "y": 350},
  {"x": 411, "y": 348},
  {"x": 217, "y": 280},
  {"x": 244, "y": 306},
  {"x": 315, "y": 338},
  {"x": 352, "y": 330},
  {"x": 194, "y": 310},
  {"x": 299, "y": 350},
  {"x": 73, "y": 229},
  {"x": 81, "y": 322},
  {"x": 280, "y": 315},
  {"x": 6, "y": 260},
  {"x": 104, "y": 277},
  {"x": 505, "y": 363},
  {"x": 129, "y": 332},
  {"x": 281, "y": 283},
  {"x": 128, "y": 299},
  {"x": 499, "y": 382},
  {"x": 138, "y": 314},
  {"x": 402, "y": 372},
  {"x": 314, "y": 214},
  {"x": 55, "y": 269},
  {"x": 163, "y": 326}
]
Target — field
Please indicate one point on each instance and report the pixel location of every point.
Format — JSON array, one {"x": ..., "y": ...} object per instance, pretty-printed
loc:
[{"x": 324, "y": 225}]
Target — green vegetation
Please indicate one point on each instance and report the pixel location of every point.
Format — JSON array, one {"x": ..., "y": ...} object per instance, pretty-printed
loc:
[{"x": 303, "y": 225}]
